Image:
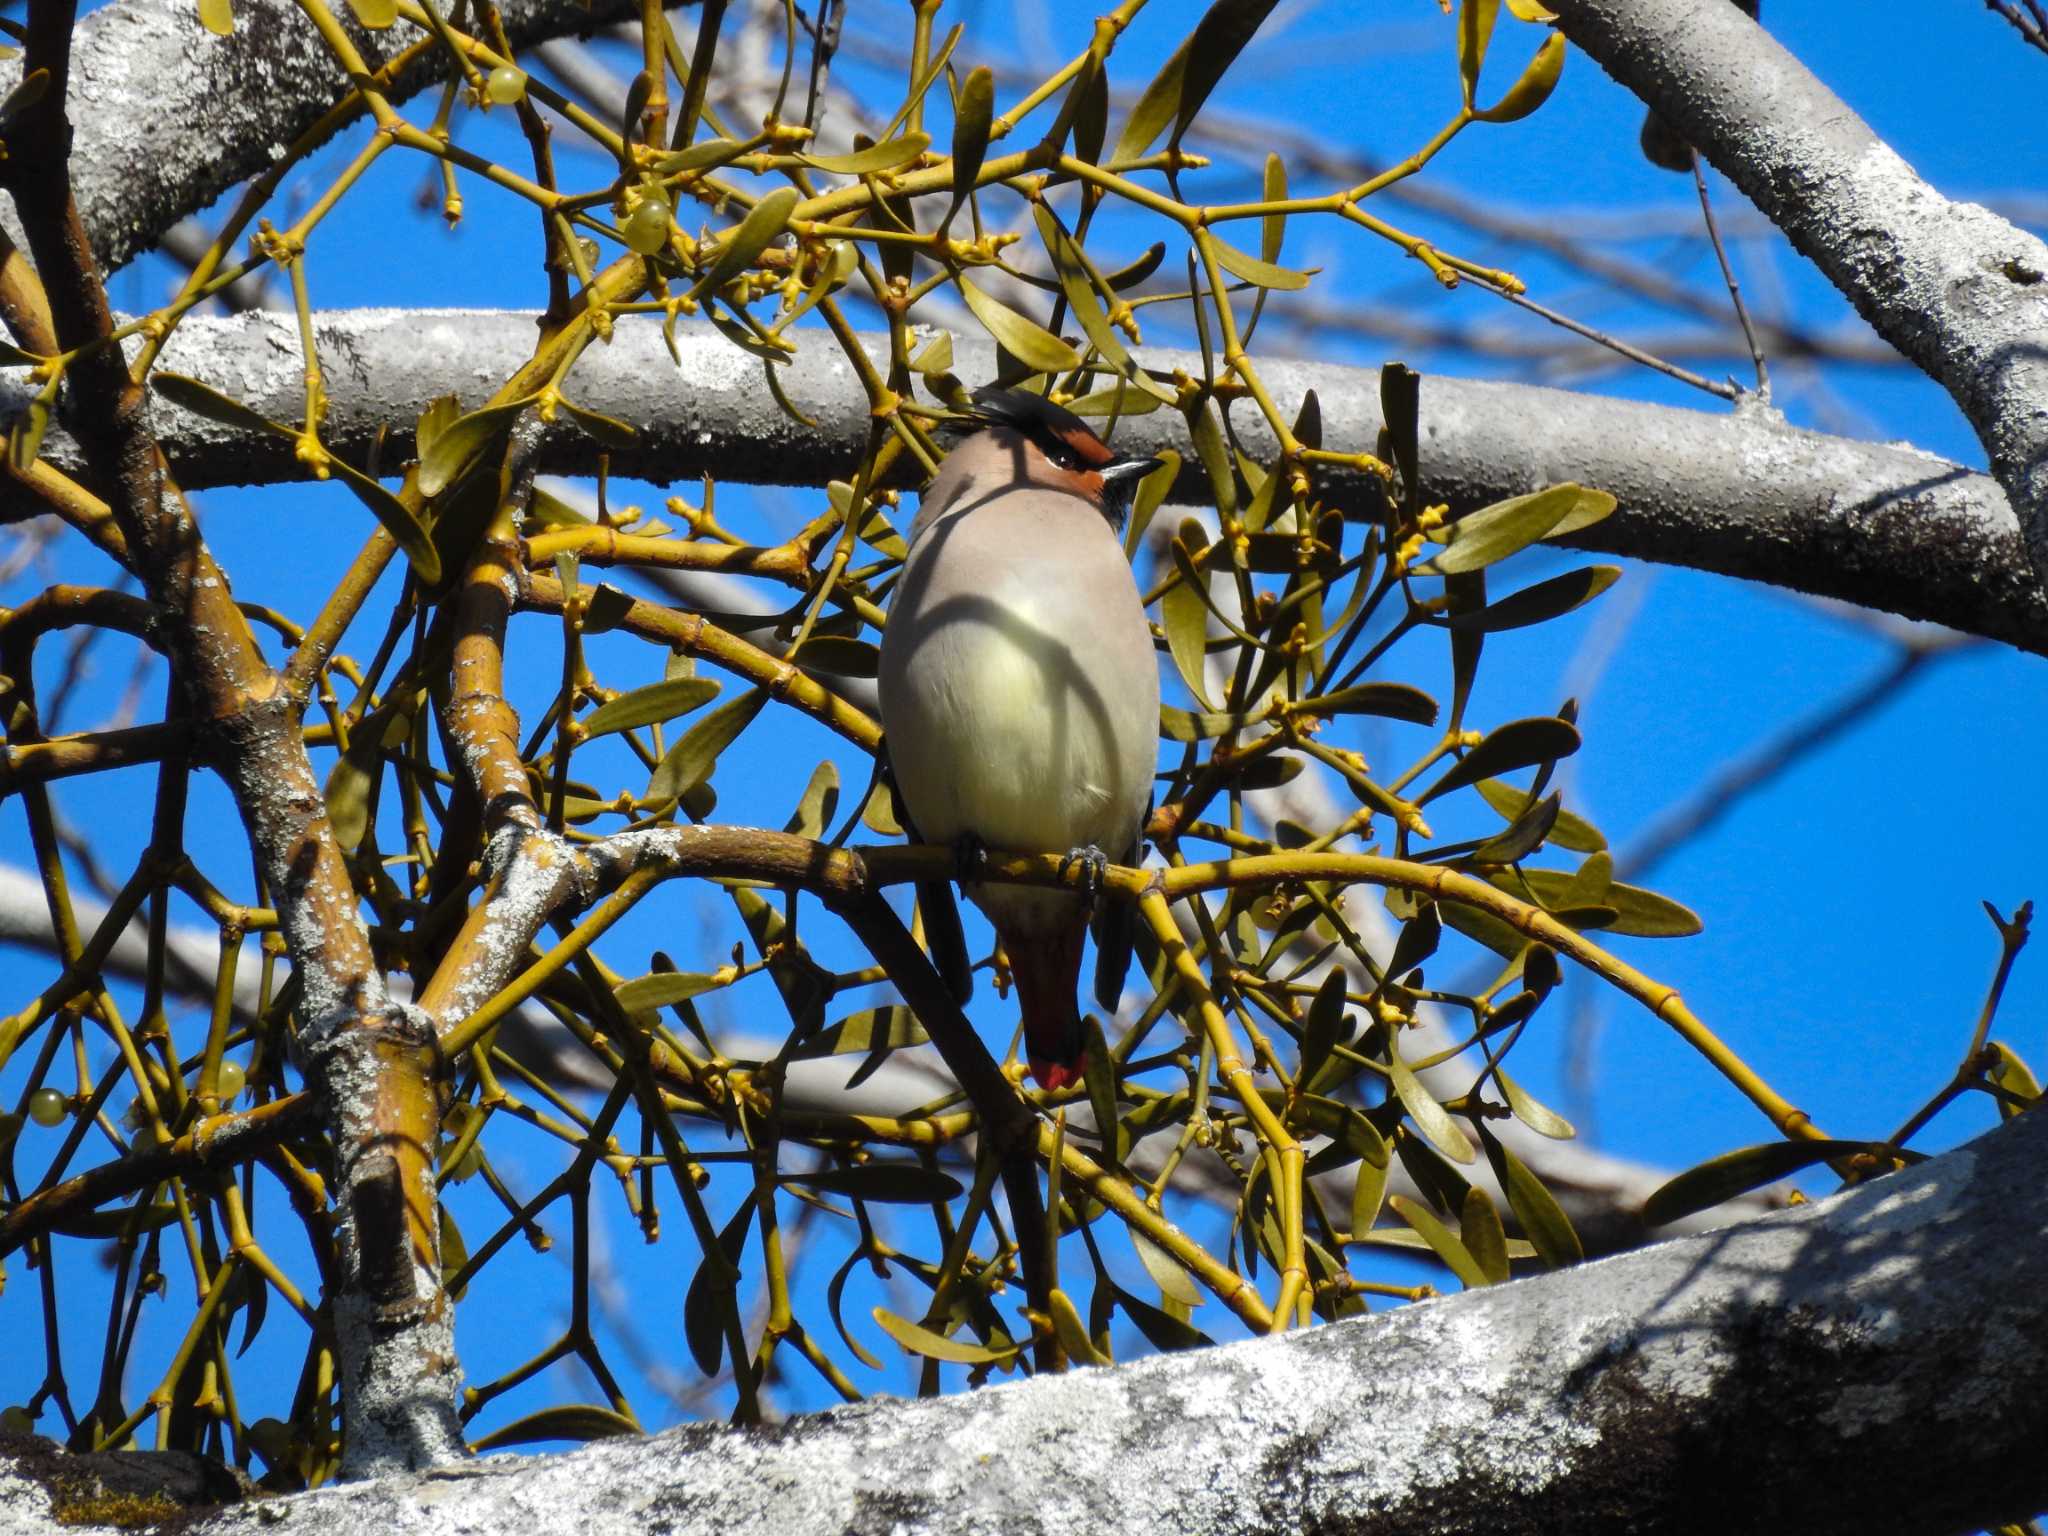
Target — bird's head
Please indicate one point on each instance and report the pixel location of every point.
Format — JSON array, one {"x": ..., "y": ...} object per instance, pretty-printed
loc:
[{"x": 1060, "y": 451}]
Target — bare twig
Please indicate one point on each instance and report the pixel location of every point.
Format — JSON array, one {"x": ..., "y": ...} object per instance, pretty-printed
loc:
[
  {"x": 1756, "y": 352},
  {"x": 1614, "y": 344},
  {"x": 2032, "y": 26}
]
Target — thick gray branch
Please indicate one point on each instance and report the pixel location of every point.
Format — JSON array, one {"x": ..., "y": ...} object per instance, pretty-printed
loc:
[
  {"x": 168, "y": 116},
  {"x": 1740, "y": 494},
  {"x": 1779, "y": 1375},
  {"x": 1957, "y": 289}
]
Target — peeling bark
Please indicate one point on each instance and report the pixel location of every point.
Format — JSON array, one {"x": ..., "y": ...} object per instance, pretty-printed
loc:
[
  {"x": 1740, "y": 494},
  {"x": 1873, "y": 1362},
  {"x": 1957, "y": 289}
]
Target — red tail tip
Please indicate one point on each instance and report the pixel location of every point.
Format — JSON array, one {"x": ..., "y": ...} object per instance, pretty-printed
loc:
[{"x": 1052, "y": 1076}]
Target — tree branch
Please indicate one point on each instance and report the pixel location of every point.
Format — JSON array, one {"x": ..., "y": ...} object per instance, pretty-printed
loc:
[
  {"x": 1958, "y": 290},
  {"x": 396, "y": 1346},
  {"x": 214, "y": 111},
  {"x": 1010, "y": 1123},
  {"x": 222, "y": 1142},
  {"x": 1602, "y": 1195},
  {"x": 1776, "y": 1375},
  {"x": 1739, "y": 494}
]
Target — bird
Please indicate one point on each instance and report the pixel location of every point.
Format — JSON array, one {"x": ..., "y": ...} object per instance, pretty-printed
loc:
[{"x": 1019, "y": 691}]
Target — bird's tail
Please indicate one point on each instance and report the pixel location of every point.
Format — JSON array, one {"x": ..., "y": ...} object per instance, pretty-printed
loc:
[{"x": 1047, "y": 968}]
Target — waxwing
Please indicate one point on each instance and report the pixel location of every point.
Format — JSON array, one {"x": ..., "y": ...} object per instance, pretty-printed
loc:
[{"x": 1020, "y": 691}]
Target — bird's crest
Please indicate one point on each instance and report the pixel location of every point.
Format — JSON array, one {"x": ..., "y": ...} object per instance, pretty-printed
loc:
[{"x": 1056, "y": 430}]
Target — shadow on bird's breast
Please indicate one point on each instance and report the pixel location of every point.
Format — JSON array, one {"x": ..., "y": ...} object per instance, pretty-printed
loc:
[{"x": 1034, "y": 660}]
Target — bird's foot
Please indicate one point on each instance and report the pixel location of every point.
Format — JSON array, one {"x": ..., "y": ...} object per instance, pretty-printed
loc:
[
  {"x": 970, "y": 857},
  {"x": 1094, "y": 867}
]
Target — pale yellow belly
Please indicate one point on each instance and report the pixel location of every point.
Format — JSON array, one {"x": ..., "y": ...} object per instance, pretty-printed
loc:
[{"x": 1025, "y": 712}]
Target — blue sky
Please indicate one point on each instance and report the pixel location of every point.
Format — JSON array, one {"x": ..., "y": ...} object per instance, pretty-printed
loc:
[{"x": 1845, "y": 952}]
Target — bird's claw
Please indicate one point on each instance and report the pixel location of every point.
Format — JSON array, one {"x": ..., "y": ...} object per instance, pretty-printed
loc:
[
  {"x": 1094, "y": 867},
  {"x": 970, "y": 857}
]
